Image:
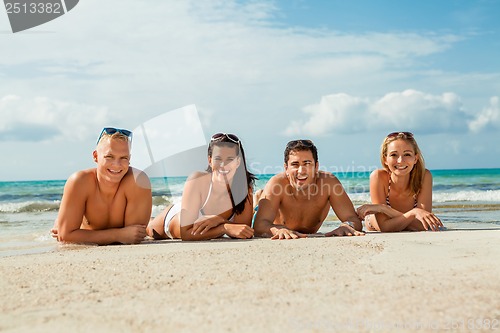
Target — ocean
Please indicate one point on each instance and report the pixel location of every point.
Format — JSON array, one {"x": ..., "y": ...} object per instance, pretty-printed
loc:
[{"x": 463, "y": 199}]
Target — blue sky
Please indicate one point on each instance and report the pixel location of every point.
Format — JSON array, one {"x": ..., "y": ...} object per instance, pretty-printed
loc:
[{"x": 342, "y": 73}]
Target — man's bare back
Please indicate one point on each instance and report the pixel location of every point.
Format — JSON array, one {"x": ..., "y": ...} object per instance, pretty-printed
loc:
[{"x": 107, "y": 204}]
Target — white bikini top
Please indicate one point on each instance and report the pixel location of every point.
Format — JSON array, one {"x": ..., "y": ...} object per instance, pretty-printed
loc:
[{"x": 230, "y": 219}]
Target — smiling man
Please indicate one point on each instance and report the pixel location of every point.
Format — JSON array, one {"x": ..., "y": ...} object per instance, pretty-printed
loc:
[
  {"x": 295, "y": 203},
  {"x": 110, "y": 203}
]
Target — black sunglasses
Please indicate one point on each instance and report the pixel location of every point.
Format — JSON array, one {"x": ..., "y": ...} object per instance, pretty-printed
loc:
[
  {"x": 394, "y": 134},
  {"x": 305, "y": 143},
  {"x": 220, "y": 136},
  {"x": 112, "y": 130}
]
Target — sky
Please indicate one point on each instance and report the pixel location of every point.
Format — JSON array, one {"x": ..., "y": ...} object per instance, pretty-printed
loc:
[{"x": 342, "y": 73}]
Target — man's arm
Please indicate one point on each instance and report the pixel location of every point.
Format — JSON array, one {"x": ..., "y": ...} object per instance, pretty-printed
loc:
[
  {"x": 139, "y": 199},
  {"x": 265, "y": 217},
  {"x": 269, "y": 205},
  {"x": 344, "y": 209},
  {"x": 71, "y": 214},
  {"x": 268, "y": 208}
]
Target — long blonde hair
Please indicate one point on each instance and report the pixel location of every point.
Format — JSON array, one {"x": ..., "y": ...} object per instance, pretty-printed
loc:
[{"x": 418, "y": 171}]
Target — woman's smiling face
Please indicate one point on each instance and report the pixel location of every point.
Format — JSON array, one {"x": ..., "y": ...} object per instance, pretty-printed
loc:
[
  {"x": 400, "y": 157},
  {"x": 224, "y": 162}
]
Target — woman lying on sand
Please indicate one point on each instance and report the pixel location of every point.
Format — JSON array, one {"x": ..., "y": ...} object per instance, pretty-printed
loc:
[
  {"x": 401, "y": 192},
  {"x": 215, "y": 202}
]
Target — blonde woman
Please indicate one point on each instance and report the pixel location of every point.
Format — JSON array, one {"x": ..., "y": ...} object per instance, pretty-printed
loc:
[{"x": 401, "y": 192}]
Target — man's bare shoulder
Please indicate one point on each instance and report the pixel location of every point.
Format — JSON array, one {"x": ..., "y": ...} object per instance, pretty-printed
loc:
[
  {"x": 327, "y": 177},
  {"x": 80, "y": 183},
  {"x": 83, "y": 176},
  {"x": 279, "y": 178},
  {"x": 137, "y": 178},
  {"x": 329, "y": 184}
]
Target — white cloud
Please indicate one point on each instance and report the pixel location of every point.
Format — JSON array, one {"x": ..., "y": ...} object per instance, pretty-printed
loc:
[
  {"x": 216, "y": 54},
  {"x": 241, "y": 35},
  {"x": 212, "y": 53},
  {"x": 407, "y": 110},
  {"x": 420, "y": 111},
  {"x": 338, "y": 112},
  {"x": 488, "y": 118},
  {"x": 245, "y": 71},
  {"x": 43, "y": 119}
]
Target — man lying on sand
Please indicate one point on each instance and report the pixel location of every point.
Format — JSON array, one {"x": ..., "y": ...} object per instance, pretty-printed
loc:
[
  {"x": 295, "y": 203},
  {"x": 110, "y": 203}
]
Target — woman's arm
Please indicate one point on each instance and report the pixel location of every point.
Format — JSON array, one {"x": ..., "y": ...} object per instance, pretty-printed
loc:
[
  {"x": 191, "y": 205},
  {"x": 207, "y": 227},
  {"x": 239, "y": 228},
  {"x": 245, "y": 217},
  {"x": 214, "y": 226},
  {"x": 388, "y": 219},
  {"x": 424, "y": 198},
  {"x": 423, "y": 211}
]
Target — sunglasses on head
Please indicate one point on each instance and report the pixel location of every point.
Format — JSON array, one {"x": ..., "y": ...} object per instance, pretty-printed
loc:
[
  {"x": 220, "y": 136},
  {"x": 112, "y": 130},
  {"x": 305, "y": 143},
  {"x": 394, "y": 134}
]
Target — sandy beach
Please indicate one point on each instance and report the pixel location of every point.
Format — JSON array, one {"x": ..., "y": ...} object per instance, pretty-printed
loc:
[{"x": 426, "y": 282}]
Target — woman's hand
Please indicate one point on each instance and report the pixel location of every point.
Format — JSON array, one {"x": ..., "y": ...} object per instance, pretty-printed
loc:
[
  {"x": 368, "y": 209},
  {"x": 206, "y": 223},
  {"x": 238, "y": 230},
  {"x": 428, "y": 220}
]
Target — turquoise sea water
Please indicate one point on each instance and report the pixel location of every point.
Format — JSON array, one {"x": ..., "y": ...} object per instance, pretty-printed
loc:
[{"x": 467, "y": 198}]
